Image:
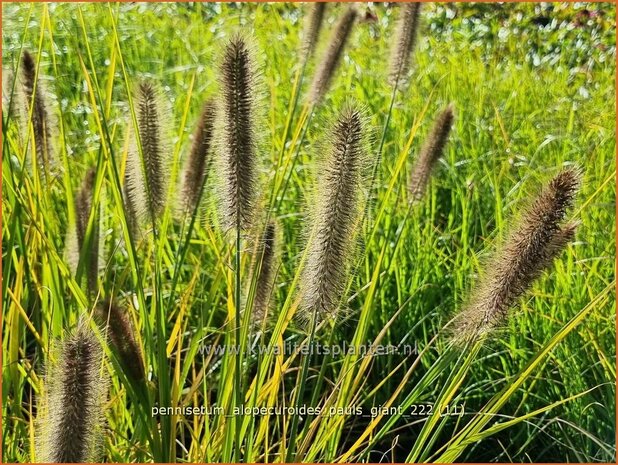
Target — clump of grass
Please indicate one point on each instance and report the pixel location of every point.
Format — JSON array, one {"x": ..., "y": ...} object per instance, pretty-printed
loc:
[
  {"x": 532, "y": 246},
  {"x": 335, "y": 214},
  {"x": 312, "y": 29},
  {"x": 266, "y": 269},
  {"x": 430, "y": 153},
  {"x": 330, "y": 61},
  {"x": 405, "y": 41},
  {"x": 121, "y": 335},
  {"x": 36, "y": 107},
  {"x": 196, "y": 166},
  {"x": 147, "y": 173},
  {"x": 236, "y": 143},
  {"x": 70, "y": 417}
]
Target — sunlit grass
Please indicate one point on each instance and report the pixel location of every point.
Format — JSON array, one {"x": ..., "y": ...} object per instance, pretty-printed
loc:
[{"x": 544, "y": 385}]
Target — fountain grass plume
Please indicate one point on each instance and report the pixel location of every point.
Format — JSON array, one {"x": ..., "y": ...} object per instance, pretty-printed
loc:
[
  {"x": 335, "y": 213},
  {"x": 147, "y": 170},
  {"x": 198, "y": 162},
  {"x": 36, "y": 106},
  {"x": 430, "y": 153},
  {"x": 70, "y": 415},
  {"x": 313, "y": 25},
  {"x": 115, "y": 323},
  {"x": 405, "y": 40},
  {"x": 330, "y": 60},
  {"x": 535, "y": 242},
  {"x": 236, "y": 135}
]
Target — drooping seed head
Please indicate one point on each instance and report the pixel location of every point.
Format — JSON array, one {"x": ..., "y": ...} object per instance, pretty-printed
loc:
[
  {"x": 335, "y": 215},
  {"x": 532, "y": 246},
  {"x": 236, "y": 144},
  {"x": 404, "y": 42},
  {"x": 432, "y": 150},
  {"x": 70, "y": 415},
  {"x": 147, "y": 171},
  {"x": 197, "y": 165},
  {"x": 313, "y": 25},
  {"x": 116, "y": 325},
  {"x": 330, "y": 61},
  {"x": 36, "y": 108}
]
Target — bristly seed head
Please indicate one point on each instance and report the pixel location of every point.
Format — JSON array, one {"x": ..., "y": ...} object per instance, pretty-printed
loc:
[
  {"x": 312, "y": 29},
  {"x": 147, "y": 172},
  {"x": 528, "y": 250},
  {"x": 116, "y": 324},
  {"x": 236, "y": 144},
  {"x": 266, "y": 269},
  {"x": 36, "y": 106},
  {"x": 330, "y": 61},
  {"x": 405, "y": 41},
  {"x": 431, "y": 152},
  {"x": 70, "y": 417},
  {"x": 335, "y": 214},
  {"x": 197, "y": 165}
]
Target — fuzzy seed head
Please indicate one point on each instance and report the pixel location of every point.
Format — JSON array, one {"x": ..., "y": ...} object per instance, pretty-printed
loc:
[
  {"x": 237, "y": 162},
  {"x": 431, "y": 152},
  {"x": 405, "y": 41},
  {"x": 115, "y": 323},
  {"x": 266, "y": 265},
  {"x": 13, "y": 102},
  {"x": 335, "y": 215},
  {"x": 147, "y": 171},
  {"x": 532, "y": 246},
  {"x": 313, "y": 26},
  {"x": 37, "y": 108},
  {"x": 330, "y": 61},
  {"x": 70, "y": 416},
  {"x": 197, "y": 164}
]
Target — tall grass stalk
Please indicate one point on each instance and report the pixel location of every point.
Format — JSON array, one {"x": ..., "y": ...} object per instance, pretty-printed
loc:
[{"x": 237, "y": 163}]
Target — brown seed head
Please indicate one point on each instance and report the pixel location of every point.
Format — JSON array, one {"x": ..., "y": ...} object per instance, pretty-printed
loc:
[
  {"x": 313, "y": 26},
  {"x": 405, "y": 41},
  {"x": 431, "y": 152},
  {"x": 236, "y": 143},
  {"x": 528, "y": 250},
  {"x": 198, "y": 162},
  {"x": 37, "y": 108},
  {"x": 266, "y": 269},
  {"x": 335, "y": 215},
  {"x": 147, "y": 172},
  {"x": 70, "y": 416},
  {"x": 330, "y": 61},
  {"x": 116, "y": 324}
]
